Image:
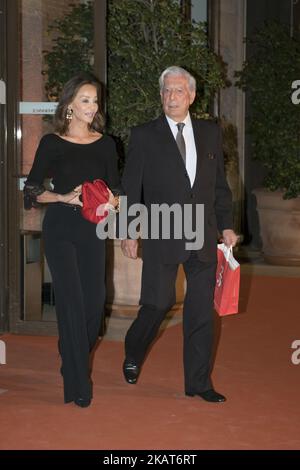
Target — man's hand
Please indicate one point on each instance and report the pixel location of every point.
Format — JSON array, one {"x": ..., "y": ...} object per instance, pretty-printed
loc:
[
  {"x": 130, "y": 248},
  {"x": 229, "y": 237}
]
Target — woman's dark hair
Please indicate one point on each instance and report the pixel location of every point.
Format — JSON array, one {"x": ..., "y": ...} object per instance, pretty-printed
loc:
[{"x": 70, "y": 90}]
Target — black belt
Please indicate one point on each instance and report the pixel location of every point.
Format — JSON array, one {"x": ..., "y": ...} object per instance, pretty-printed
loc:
[{"x": 75, "y": 207}]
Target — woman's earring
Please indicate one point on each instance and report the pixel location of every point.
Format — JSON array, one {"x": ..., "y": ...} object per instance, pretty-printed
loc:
[{"x": 69, "y": 114}]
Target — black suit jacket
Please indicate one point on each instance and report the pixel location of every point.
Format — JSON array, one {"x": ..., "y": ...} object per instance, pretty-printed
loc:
[{"x": 155, "y": 173}]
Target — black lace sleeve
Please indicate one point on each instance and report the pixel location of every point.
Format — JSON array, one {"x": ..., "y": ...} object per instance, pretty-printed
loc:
[
  {"x": 39, "y": 171},
  {"x": 31, "y": 191}
]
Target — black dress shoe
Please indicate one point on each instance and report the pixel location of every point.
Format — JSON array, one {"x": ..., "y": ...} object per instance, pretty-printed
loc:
[
  {"x": 83, "y": 402},
  {"x": 131, "y": 371},
  {"x": 209, "y": 395}
]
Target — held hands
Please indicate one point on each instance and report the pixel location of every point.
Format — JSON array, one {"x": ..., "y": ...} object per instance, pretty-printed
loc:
[
  {"x": 72, "y": 197},
  {"x": 229, "y": 237}
]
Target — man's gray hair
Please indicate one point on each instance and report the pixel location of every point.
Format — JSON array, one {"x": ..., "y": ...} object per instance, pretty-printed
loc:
[{"x": 175, "y": 70}]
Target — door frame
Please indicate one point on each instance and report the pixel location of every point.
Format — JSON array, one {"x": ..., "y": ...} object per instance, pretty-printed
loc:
[
  {"x": 4, "y": 317},
  {"x": 13, "y": 321}
]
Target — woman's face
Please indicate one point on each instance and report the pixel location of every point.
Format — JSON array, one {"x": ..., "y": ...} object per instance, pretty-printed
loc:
[{"x": 85, "y": 104}]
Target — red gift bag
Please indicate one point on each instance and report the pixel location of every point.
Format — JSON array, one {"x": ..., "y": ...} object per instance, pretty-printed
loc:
[{"x": 226, "y": 298}]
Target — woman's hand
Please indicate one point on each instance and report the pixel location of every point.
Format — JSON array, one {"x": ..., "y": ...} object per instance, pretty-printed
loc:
[
  {"x": 113, "y": 200},
  {"x": 72, "y": 197}
]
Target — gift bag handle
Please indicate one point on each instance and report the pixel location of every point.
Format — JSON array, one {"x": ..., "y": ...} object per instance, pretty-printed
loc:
[{"x": 228, "y": 252}]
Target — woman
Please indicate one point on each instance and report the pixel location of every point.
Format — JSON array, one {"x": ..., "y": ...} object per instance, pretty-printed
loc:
[{"x": 76, "y": 152}]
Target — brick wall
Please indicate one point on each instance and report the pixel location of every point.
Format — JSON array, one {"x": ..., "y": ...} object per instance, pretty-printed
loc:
[{"x": 36, "y": 15}]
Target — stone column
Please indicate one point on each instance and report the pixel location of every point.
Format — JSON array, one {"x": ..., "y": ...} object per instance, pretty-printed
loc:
[{"x": 227, "y": 28}]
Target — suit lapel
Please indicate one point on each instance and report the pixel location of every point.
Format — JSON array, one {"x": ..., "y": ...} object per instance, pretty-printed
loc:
[{"x": 200, "y": 139}]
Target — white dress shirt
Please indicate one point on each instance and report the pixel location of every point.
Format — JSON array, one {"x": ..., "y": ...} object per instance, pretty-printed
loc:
[{"x": 190, "y": 147}]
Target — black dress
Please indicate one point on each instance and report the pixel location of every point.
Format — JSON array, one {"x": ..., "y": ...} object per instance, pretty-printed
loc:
[{"x": 75, "y": 255}]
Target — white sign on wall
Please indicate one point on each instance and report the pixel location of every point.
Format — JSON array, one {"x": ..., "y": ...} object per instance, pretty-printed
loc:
[{"x": 31, "y": 107}]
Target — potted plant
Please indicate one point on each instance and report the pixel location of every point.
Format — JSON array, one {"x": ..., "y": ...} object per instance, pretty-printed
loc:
[
  {"x": 144, "y": 38},
  {"x": 275, "y": 129}
]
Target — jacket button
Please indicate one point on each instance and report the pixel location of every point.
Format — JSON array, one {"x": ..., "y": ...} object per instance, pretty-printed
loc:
[{"x": 192, "y": 195}]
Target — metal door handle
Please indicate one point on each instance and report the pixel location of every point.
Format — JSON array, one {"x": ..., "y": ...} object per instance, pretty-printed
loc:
[{"x": 2, "y": 92}]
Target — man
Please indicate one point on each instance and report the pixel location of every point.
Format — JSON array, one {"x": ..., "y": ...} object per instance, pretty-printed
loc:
[{"x": 177, "y": 159}]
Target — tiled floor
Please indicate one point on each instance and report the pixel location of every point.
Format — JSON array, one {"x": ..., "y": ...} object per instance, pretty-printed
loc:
[
  {"x": 253, "y": 368},
  {"x": 252, "y": 263}
]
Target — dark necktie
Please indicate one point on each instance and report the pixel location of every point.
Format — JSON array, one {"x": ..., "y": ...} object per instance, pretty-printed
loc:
[{"x": 180, "y": 140}]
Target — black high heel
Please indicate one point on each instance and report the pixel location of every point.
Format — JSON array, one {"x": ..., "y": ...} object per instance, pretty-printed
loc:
[{"x": 83, "y": 402}]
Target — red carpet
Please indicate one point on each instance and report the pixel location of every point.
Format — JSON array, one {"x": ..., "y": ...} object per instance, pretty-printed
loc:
[{"x": 253, "y": 369}]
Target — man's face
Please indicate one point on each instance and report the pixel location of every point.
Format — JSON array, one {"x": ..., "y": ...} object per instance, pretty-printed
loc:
[{"x": 176, "y": 97}]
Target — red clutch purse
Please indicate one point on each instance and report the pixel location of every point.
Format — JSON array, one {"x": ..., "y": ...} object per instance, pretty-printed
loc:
[{"x": 93, "y": 195}]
